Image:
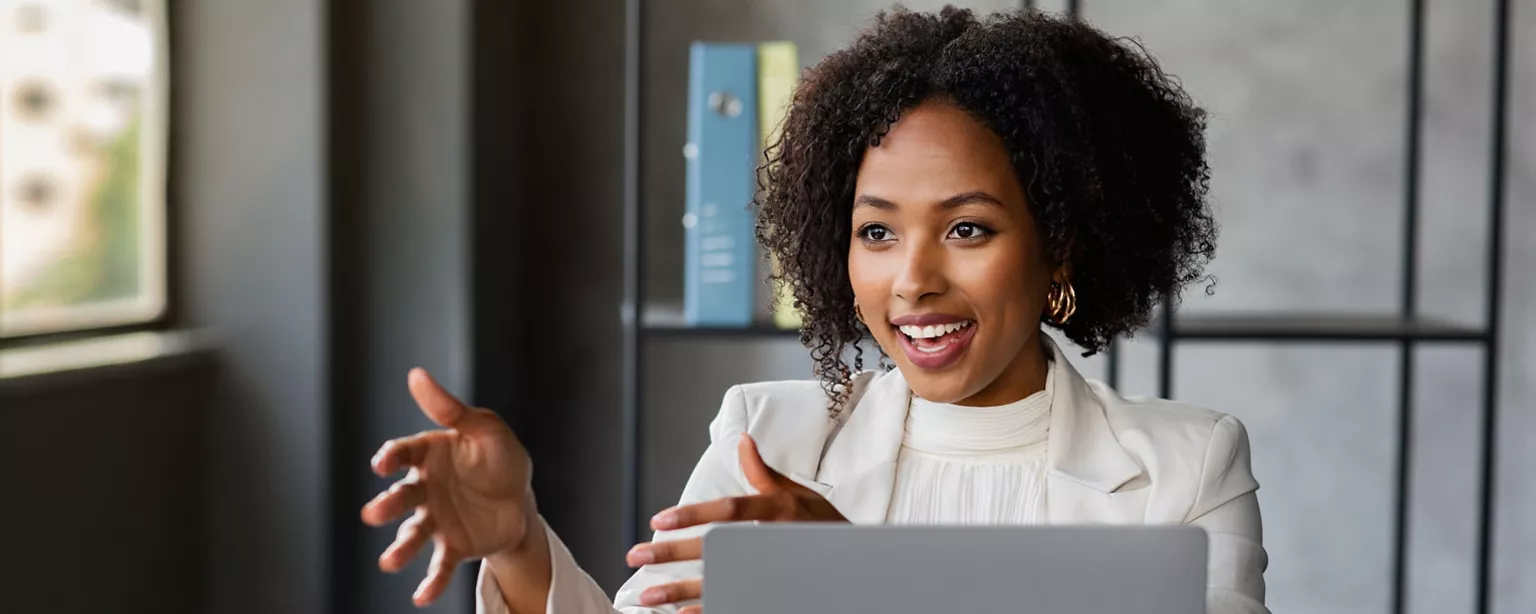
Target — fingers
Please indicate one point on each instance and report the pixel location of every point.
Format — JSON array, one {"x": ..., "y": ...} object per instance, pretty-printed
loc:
[
  {"x": 435, "y": 402},
  {"x": 672, "y": 593},
  {"x": 409, "y": 540},
  {"x": 693, "y": 609},
  {"x": 439, "y": 575},
  {"x": 759, "y": 474},
  {"x": 403, "y": 496},
  {"x": 404, "y": 452},
  {"x": 666, "y": 552},
  {"x": 730, "y": 509}
]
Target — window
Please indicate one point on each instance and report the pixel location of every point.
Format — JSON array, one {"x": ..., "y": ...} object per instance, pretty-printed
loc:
[{"x": 82, "y": 164}]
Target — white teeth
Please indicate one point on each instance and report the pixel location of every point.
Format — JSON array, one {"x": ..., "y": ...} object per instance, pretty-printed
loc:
[{"x": 930, "y": 332}]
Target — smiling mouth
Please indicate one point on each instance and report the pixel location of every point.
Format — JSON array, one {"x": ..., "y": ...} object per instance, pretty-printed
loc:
[{"x": 934, "y": 338}]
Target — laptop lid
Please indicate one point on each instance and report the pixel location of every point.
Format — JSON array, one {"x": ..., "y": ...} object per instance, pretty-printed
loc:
[{"x": 851, "y": 569}]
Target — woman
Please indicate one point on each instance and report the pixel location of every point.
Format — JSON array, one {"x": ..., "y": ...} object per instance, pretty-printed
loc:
[{"x": 946, "y": 185}]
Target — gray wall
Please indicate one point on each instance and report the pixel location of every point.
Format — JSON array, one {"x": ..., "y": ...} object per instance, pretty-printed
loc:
[
  {"x": 322, "y": 181},
  {"x": 1307, "y": 147},
  {"x": 250, "y": 188},
  {"x": 106, "y": 506}
]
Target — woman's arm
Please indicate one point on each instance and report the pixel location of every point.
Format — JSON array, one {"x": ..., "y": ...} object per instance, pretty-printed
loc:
[
  {"x": 516, "y": 583},
  {"x": 529, "y": 584},
  {"x": 1228, "y": 509},
  {"x": 522, "y": 576}
]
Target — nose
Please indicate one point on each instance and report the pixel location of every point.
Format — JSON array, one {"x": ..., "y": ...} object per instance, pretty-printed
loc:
[{"x": 921, "y": 273}]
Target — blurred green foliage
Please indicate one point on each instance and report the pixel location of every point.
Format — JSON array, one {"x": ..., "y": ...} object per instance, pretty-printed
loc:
[{"x": 103, "y": 261}]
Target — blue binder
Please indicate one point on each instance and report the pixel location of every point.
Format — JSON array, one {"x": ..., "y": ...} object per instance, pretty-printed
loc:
[{"x": 720, "y": 265}]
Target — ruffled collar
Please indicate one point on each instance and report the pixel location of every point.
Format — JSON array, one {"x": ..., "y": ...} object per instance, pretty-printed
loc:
[{"x": 942, "y": 428}]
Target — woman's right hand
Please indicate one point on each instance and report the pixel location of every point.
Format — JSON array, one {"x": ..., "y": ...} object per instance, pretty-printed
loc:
[
  {"x": 778, "y": 499},
  {"x": 468, "y": 483}
]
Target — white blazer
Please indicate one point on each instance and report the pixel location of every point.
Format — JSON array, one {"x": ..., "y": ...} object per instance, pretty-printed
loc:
[{"x": 1110, "y": 460}]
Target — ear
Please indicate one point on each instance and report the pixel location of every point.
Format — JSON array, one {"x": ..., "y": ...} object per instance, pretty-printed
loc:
[
  {"x": 1062, "y": 258},
  {"x": 1063, "y": 273}
]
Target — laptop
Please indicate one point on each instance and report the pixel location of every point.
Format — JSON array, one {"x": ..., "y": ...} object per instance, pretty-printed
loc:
[{"x": 897, "y": 569}]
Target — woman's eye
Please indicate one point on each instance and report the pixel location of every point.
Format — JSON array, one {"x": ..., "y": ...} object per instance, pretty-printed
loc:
[
  {"x": 875, "y": 233},
  {"x": 968, "y": 230}
]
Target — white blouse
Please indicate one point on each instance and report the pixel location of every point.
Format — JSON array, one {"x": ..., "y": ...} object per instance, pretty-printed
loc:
[{"x": 973, "y": 465}]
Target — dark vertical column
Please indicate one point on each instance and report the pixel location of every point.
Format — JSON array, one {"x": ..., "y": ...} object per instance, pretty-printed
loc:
[
  {"x": 499, "y": 88},
  {"x": 568, "y": 72},
  {"x": 1490, "y": 415},
  {"x": 634, "y": 287},
  {"x": 1408, "y": 307},
  {"x": 347, "y": 140},
  {"x": 402, "y": 239},
  {"x": 499, "y": 84}
]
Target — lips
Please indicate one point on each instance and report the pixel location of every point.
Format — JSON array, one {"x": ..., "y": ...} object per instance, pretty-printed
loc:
[{"x": 934, "y": 341}]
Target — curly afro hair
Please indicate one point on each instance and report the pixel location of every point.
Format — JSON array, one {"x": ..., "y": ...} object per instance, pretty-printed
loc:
[{"x": 1109, "y": 149}]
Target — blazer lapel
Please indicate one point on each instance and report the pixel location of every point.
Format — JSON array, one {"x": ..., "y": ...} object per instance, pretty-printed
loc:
[
  {"x": 860, "y": 461},
  {"x": 1087, "y": 466}
]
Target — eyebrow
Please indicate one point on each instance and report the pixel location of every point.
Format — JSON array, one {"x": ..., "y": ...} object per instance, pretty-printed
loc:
[{"x": 964, "y": 198}]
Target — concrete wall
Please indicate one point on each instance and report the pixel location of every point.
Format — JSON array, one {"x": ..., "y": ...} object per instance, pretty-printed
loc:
[
  {"x": 1307, "y": 146},
  {"x": 249, "y": 184}
]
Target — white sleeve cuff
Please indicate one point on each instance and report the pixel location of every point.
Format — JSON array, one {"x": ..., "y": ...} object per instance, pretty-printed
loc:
[{"x": 571, "y": 590}]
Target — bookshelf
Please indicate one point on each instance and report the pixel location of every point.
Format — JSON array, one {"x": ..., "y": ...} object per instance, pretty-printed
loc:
[{"x": 1404, "y": 328}]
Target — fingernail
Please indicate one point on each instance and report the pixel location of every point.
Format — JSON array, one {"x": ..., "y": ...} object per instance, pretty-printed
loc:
[
  {"x": 654, "y": 595},
  {"x": 664, "y": 521},
  {"x": 640, "y": 555}
]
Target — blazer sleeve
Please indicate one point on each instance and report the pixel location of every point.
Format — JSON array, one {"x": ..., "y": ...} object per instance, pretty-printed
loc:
[
  {"x": 572, "y": 591},
  {"x": 1227, "y": 507}
]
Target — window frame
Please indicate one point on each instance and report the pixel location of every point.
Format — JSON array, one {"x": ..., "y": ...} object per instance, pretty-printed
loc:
[{"x": 166, "y": 119}]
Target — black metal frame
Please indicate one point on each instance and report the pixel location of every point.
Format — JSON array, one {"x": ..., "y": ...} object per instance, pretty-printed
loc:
[
  {"x": 1406, "y": 329},
  {"x": 634, "y": 286}
]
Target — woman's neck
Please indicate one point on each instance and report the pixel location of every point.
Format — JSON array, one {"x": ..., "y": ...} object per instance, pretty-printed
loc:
[{"x": 1023, "y": 376}]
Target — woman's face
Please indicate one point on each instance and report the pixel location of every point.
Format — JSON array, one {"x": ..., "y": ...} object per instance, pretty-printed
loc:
[{"x": 945, "y": 260}]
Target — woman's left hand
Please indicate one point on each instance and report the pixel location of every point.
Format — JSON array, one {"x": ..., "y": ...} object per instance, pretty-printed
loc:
[{"x": 779, "y": 499}]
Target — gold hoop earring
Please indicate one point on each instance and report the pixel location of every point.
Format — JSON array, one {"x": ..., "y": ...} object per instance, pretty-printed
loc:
[
  {"x": 858, "y": 315},
  {"x": 1062, "y": 301}
]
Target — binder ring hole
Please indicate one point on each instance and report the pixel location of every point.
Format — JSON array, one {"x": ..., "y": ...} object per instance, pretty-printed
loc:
[{"x": 725, "y": 104}]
